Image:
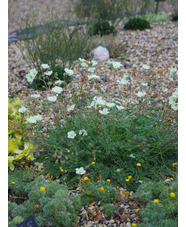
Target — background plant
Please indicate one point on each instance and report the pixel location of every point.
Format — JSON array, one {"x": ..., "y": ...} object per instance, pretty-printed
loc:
[
  {"x": 137, "y": 24},
  {"x": 19, "y": 146}
]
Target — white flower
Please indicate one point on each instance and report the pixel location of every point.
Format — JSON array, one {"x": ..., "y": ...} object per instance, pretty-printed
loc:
[
  {"x": 140, "y": 181},
  {"x": 34, "y": 119},
  {"x": 31, "y": 119},
  {"x": 38, "y": 117},
  {"x": 91, "y": 69},
  {"x": 99, "y": 101},
  {"x": 81, "y": 59},
  {"x": 173, "y": 72},
  {"x": 48, "y": 73},
  {"x": 125, "y": 80},
  {"x": 80, "y": 171},
  {"x": 71, "y": 108},
  {"x": 45, "y": 66},
  {"x": 144, "y": 84},
  {"x": 174, "y": 106},
  {"x": 59, "y": 82},
  {"x": 115, "y": 64},
  {"x": 35, "y": 96},
  {"x": 57, "y": 89},
  {"x": 119, "y": 107},
  {"x": 172, "y": 99},
  {"x": 93, "y": 77},
  {"x": 110, "y": 104},
  {"x": 31, "y": 75},
  {"x": 145, "y": 66},
  {"x": 71, "y": 135},
  {"x": 83, "y": 132},
  {"x": 52, "y": 98},
  {"x": 22, "y": 109},
  {"x": 131, "y": 156},
  {"x": 141, "y": 94},
  {"x": 93, "y": 63},
  {"x": 104, "y": 111},
  {"x": 84, "y": 65},
  {"x": 69, "y": 72}
]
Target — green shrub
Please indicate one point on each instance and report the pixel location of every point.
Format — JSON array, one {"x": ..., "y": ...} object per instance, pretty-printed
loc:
[
  {"x": 19, "y": 146},
  {"x": 54, "y": 44},
  {"x": 109, "y": 209},
  {"x": 101, "y": 28},
  {"x": 19, "y": 181},
  {"x": 50, "y": 202},
  {"x": 116, "y": 141},
  {"x": 92, "y": 192},
  {"x": 137, "y": 24},
  {"x": 163, "y": 213}
]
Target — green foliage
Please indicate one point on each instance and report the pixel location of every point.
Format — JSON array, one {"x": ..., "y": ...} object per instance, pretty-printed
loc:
[
  {"x": 91, "y": 192},
  {"x": 109, "y": 209},
  {"x": 22, "y": 180},
  {"x": 110, "y": 141},
  {"x": 137, "y": 24},
  {"x": 155, "y": 17},
  {"x": 52, "y": 43},
  {"x": 163, "y": 213},
  {"x": 101, "y": 28},
  {"x": 19, "y": 146},
  {"x": 55, "y": 205}
]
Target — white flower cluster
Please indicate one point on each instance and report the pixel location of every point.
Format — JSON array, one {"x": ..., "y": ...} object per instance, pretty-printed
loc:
[
  {"x": 57, "y": 89},
  {"x": 45, "y": 66},
  {"x": 100, "y": 102},
  {"x": 22, "y": 109},
  {"x": 34, "y": 119},
  {"x": 140, "y": 94},
  {"x": 31, "y": 75},
  {"x": 173, "y": 100},
  {"x": 93, "y": 77},
  {"x": 35, "y": 96},
  {"x": 69, "y": 72},
  {"x": 146, "y": 67},
  {"x": 71, "y": 108},
  {"x": 80, "y": 171}
]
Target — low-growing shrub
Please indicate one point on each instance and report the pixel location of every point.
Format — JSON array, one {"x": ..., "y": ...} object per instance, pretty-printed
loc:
[
  {"x": 19, "y": 146},
  {"x": 101, "y": 28},
  {"x": 99, "y": 191},
  {"x": 109, "y": 209},
  {"x": 175, "y": 17},
  {"x": 137, "y": 24},
  {"x": 162, "y": 207},
  {"x": 50, "y": 204}
]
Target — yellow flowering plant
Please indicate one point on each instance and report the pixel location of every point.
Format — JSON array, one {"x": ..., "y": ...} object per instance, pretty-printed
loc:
[{"x": 19, "y": 147}]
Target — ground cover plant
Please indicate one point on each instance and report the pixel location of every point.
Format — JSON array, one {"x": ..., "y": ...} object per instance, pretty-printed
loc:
[
  {"x": 137, "y": 24},
  {"x": 97, "y": 145}
]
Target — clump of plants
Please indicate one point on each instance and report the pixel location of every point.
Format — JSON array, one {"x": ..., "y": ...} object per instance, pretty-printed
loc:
[
  {"x": 50, "y": 204},
  {"x": 137, "y": 24},
  {"x": 20, "y": 149},
  {"x": 162, "y": 206},
  {"x": 175, "y": 17},
  {"x": 101, "y": 28}
]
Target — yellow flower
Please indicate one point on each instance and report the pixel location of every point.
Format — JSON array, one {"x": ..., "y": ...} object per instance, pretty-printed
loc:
[
  {"x": 137, "y": 210},
  {"x": 127, "y": 180},
  {"x": 61, "y": 170},
  {"x": 138, "y": 164},
  {"x": 101, "y": 189},
  {"x": 129, "y": 177},
  {"x": 134, "y": 224},
  {"x": 65, "y": 171},
  {"x": 29, "y": 156},
  {"x": 175, "y": 164},
  {"x": 156, "y": 201},
  {"x": 127, "y": 193},
  {"x": 36, "y": 206},
  {"x": 172, "y": 194},
  {"x": 93, "y": 163},
  {"x": 108, "y": 180},
  {"x": 85, "y": 178},
  {"x": 42, "y": 189},
  {"x": 13, "y": 182},
  {"x": 171, "y": 179}
]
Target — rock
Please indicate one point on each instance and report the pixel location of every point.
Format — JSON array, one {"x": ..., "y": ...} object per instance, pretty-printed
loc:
[
  {"x": 100, "y": 54},
  {"x": 124, "y": 217},
  {"x": 99, "y": 217}
]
